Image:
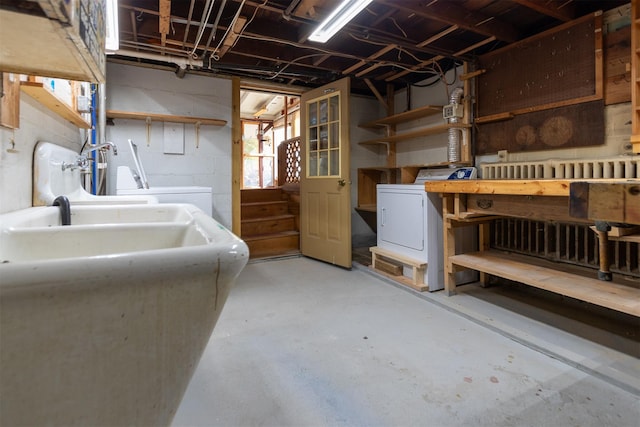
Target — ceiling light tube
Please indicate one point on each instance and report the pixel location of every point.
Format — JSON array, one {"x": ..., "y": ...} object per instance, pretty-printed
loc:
[
  {"x": 112, "y": 39},
  {"x": 345, "y": 12}
]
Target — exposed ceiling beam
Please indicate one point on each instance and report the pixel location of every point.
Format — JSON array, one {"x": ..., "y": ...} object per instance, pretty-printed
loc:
[
  {"x": 164, "y": 20},
  {"x": 232, "y": 36},
  {"x": 438, "y": 36},
  {"x": 450, "y": 13},
  {"x": 363, "y": 62},
  {"x": 560, "y": 10}
]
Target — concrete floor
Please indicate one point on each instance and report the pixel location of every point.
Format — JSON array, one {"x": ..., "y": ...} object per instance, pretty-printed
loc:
[{"x": 303, "y": 343}]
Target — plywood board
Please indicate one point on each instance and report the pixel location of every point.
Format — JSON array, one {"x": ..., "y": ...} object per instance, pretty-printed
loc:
[
  {"x": 569, "y": 126},
  {"x": 558, "y": 65}
]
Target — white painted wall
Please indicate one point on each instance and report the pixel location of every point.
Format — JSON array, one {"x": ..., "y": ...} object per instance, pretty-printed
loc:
[
  {"x": 37, "y": 123},
  {"x": 206, "y": 160},
  {"x": 363, "y": 109}
]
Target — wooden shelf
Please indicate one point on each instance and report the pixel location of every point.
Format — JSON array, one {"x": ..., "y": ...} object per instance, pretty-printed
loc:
[
  {"x": 407, "y": 116},
  {"x": 540, "y": 274},
  {"x": 367, "y": 208},
  {"x": 432, "y": 130},
  {"x": 44, "y": 96},
  {"x": 115, "y": 114}
]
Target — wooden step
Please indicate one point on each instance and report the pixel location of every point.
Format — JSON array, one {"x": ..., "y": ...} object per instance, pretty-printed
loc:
[
  {"x": 263, "y": 209},
  {"x": 273, "y": 244},
  {"x": 253, "y": 195},
  {"x": 268, "y": 225}
]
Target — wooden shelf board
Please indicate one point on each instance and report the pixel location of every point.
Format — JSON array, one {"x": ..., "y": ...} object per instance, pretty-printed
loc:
[
  {"x": 44, "y": 96},
  {"x": 367, "y": 208},
  {"x": 407, "y": 116},
  {"x": 522, "y": 187},
  {"x": 432, "y": 130},
  {"x": 115, "y": 114},
  {"x": 613, "y": 295}
]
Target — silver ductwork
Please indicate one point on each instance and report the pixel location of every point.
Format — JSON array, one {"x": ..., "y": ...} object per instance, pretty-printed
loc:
[{"x": 455, "y": 134}]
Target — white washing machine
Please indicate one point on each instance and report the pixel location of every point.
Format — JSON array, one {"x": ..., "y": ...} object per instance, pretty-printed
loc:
[
  {"x": 129, "y": 182},
  {"x": 410, "y": 224}
]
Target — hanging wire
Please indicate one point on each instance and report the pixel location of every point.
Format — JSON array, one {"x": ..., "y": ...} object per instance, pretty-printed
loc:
[{"x": 203, "y": 26}]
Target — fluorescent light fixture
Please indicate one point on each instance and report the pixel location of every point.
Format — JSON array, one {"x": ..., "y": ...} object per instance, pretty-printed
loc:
[
  {"x": 345, "y": 12},
  {"x": 112, "y": 40}
]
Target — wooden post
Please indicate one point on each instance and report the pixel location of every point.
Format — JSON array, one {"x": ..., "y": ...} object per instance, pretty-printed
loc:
[
  {"x": 602, "y": 230},
  {"x": 448, "y": 243}
]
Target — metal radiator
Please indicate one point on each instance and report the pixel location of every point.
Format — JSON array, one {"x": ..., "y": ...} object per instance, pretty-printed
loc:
[
  {"x": 614, "y": 167},
  {"x": 566, "y": 243}
]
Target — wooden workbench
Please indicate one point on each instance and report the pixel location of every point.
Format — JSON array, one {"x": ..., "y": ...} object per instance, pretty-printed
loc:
[{"x": 477, "y": 202}]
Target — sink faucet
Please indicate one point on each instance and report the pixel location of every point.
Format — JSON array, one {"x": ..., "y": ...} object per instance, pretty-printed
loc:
[
  {"x": 82, "y": 162},
  {"x": 65, "y": 209},
  {"x": 107, "y": 145}
]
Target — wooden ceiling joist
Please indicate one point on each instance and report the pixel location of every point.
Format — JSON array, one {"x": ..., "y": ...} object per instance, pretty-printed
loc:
[
  {"x": 363, "y": 62},
  {"x": 438, "y": 36},
  {"x": 232, "y": 36},
  {"x": 562, "y": 12},
  {"x": 474, "y": 46},
  {"x": 164, "y": 20},
  {"x": 414, "y": 68},
  {"x": 450, "y": 13}
]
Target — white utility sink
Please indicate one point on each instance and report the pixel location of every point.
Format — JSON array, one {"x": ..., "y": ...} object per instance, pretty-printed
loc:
[
  {"x": 102, "y": 322},
  {"x": 56, "y": 173}
]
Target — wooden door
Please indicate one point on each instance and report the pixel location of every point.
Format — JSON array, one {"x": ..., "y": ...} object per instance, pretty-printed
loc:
[{"x": 325, "y": 187}]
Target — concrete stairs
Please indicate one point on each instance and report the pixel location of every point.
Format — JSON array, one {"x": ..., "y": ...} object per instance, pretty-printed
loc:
[{"x": 267, "y": 226}]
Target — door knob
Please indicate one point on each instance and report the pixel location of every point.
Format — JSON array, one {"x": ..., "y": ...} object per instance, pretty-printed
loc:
[{"x": 342, "y": 182}]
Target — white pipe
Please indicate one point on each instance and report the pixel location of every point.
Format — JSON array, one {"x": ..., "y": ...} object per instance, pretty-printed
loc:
[{"x": 182, "y": 62}]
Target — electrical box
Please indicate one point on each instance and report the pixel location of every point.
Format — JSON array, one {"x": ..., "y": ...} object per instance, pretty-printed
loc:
[{"x": 453, "y": 110}]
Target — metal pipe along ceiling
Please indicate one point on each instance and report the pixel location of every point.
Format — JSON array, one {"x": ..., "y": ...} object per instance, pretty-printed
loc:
[{"x": 182, "y": 62}]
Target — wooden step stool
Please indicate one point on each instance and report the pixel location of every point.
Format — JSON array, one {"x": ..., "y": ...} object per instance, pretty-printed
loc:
[{"x": 418, "y": 268}]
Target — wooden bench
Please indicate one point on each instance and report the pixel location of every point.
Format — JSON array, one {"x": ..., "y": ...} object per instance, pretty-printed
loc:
[{"x": 476, "y": 202}]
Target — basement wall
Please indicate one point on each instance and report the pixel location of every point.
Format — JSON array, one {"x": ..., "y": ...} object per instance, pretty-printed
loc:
[
  {"x": 37, "y": 123},
  {"x": 207, "y": 157}
]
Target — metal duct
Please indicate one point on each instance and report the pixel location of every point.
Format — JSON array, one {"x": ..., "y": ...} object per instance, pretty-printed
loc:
[{"x": 453, "y": 148}]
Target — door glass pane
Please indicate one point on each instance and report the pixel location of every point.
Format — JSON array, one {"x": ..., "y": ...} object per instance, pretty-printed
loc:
[
  {"x": 324, "y": 111},
  {"x": 324, "y": 164},
  {"x": 313, "y": 164},
  {"x": 334, "y": 162},
  {"x": 313, "y": 113},
  {"x": 334, "y": 108},
  {"x": 323, "y": 136},
  {"x": 334, "y": 135},
  {"x": 313, "y": 138}
]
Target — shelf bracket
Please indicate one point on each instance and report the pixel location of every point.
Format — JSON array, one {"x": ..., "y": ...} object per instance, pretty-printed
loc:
[
  {"x": 388, "y": 145},
  {"x": 148, "y": 122},
  {"x": 197, "y": 126}
]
